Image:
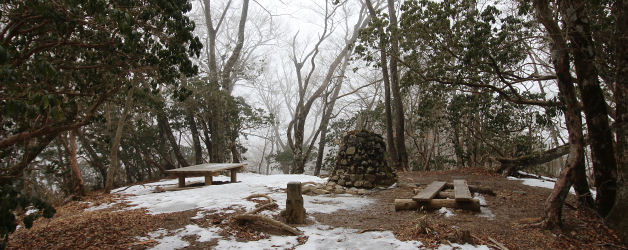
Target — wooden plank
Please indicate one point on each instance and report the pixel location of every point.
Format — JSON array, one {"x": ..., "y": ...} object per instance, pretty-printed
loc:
[
  {"x": 204, "y": 168},
  {"x": 430, "y": 191},
  {"x": 461, "y": 191}
]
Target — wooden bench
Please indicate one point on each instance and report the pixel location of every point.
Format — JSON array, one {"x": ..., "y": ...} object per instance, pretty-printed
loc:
[{"x": 209, "y": 170}]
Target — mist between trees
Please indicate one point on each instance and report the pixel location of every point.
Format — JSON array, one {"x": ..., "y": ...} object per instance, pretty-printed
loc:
[{"x": 99, "y": 94}]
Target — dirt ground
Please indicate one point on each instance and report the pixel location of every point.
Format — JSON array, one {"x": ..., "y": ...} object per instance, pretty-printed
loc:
[{"x": 517, "y": 209}]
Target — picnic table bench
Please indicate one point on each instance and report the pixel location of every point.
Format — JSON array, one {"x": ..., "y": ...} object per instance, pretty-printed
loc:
[
  {"x": 209, "y": 170},
  {"x": 427, "y": 197}
]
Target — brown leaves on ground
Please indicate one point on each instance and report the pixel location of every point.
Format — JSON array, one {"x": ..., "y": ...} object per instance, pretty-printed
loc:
[
  {"x": 112, "y": 228},
  {"x": 517, "y": 208}
]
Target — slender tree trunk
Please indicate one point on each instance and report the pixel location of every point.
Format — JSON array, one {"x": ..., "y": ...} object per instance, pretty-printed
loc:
[
  {"x": 163, "y": 123},
  {"x": 96, "y": 161},
  {"x": 198, "y": 152},
  {"x": 458, "y": 147},
  {"x": 206, "y": 138},
  {"x": 321, "y": 152},
  {"x": 259, "y": 165},
  {"x": 78, "y": 186},
  {"x": 235, "y": 155},
  {"x": 392, "y": 148},
  {"x": 115, "y": 144},
  {"x": 617, "y": 216},
  {"x": 327, "y": 116},
  {"x": 152, "y": 162},
  {"x": 604, "y": 164},
  {"x": 217, "y": 134},
  {"x": 400, "y": 140},
  {"x": 574, "y": 171}
]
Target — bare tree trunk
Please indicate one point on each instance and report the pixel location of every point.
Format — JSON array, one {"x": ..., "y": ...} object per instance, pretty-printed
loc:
[
  {"x": 392, "y": 148},
  {"x": 235, "y": 155},
  {"x": 604, "y": 163},
  {"x": 206, "y": 138},
  {"x": 304, "y": 105},
  {"x": 458, "y": 147},
  {"x": 272, "y": 148},
  {"x": 222, "y": 78},
  {"x": 115, "y": 143},
  {"x": 400, "y": 141},
  {"x": 198, "y": 152},
  {"x": 164, "y": 124},
  {"x": 574, "y": 171},
  {"x": 617, "y": 216},
  {"x": 78, "y": 187},
  {"x": 327, "y": 113},
  {"x": 95, "y": 160}
]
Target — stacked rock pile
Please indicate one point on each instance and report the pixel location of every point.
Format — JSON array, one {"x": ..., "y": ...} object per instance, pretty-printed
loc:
[{"x": 361, "y": 162}]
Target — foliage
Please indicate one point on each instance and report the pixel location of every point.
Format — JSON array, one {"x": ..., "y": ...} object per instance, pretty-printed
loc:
[
  {"x": 60, "y": 60},
  {"x": 12, "y": 200}
]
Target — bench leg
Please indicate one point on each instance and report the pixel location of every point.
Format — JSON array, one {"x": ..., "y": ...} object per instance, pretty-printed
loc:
[
  {"x": 181, "y": 181},
  {"x": 234, "y": 171},
  {"x": 208, "y": 179}
]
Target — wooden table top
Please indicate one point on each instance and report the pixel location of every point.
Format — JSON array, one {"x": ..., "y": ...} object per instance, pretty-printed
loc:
[{"x": 205, "y": 168}]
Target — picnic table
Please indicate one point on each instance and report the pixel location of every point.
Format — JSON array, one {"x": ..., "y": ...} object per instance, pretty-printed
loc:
[
  {"x": 209, "y": 170},
  {"x": 426, "y": 198}
]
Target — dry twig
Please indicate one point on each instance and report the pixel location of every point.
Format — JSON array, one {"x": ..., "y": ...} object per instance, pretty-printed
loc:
[{"x": 500, "y": 245}]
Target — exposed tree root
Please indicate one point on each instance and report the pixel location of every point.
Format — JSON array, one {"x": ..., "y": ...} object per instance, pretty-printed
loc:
[
  {"x": 253, "y": 216},
  {"x": 262, "y": 207},
  {"x": 267, "y": 220},
  {"x": 248, "y": 198}
]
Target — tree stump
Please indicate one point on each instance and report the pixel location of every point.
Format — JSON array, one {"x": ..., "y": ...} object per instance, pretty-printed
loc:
[{"x": 295, "y": 212}]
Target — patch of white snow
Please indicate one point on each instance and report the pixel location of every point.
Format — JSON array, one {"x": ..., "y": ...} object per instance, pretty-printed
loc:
[
  {"x": 176, "y": 241},
  {"x": 219, "y": 197},
  {"x": 446, "y": 212}
]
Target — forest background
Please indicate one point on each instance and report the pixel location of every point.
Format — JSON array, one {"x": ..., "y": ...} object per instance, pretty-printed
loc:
[{"x": 98, "y": 94}]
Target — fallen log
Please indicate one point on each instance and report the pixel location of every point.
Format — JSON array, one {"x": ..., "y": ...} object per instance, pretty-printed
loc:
[
  {"x": 433, "y": 204},
  {"x": 474, "y": 189},
  {"x": 447, "y": 194},
  {"x": 450, "y": 194}
]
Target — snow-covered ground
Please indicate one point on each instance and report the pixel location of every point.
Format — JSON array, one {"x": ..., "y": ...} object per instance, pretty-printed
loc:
[
  {"x": 224, "y": 197},
  {"x": 543, "y": 181}
]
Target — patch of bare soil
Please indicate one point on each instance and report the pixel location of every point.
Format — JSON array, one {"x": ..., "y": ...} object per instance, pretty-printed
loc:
[{"x": 517, "y": 208}]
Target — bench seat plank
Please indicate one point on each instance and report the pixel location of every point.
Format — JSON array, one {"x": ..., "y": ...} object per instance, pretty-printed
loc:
[
  {"x": 461, "y": 191},
  {"x": 430, "y": 191}
]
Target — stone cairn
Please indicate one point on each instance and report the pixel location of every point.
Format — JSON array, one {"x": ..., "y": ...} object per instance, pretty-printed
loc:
[{"x": 361, "y": 162}]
